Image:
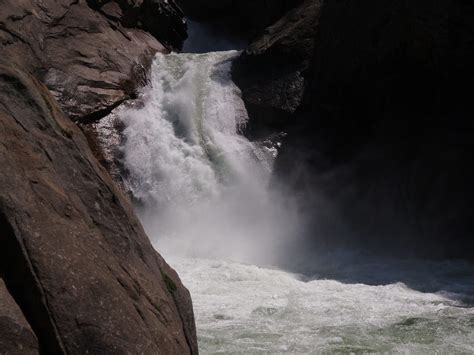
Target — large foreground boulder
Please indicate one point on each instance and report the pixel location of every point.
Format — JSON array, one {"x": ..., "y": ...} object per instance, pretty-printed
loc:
[
  {"x": 92, "y": 55},
  {"x": 73, "y": 255},
  {"x": 16, "y": 336}
]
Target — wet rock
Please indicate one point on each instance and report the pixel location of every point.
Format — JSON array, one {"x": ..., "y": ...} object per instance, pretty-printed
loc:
[
  {"x": 88, "y": 55},
  {"x": 73, "y": 255},
  {"x": 16, "y": 336}
]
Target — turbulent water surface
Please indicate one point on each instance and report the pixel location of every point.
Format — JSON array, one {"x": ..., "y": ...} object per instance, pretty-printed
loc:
[
  {"x": 253, "y": 310},
  {"x": 204, "y": 198}
]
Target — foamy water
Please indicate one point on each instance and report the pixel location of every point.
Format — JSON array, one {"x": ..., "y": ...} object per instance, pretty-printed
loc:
[
  {"x": 246, "y": 309},
  {"x": 202, "y": 185},
  {"x": 205, "y": 202}
]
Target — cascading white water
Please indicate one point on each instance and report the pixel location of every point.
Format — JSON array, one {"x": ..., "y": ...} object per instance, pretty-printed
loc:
[
  {"x": 203, "y": 186},
  {"x": 205, "y": 202}
]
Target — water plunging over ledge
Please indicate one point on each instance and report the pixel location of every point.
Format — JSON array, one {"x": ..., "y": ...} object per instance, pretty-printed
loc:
[
  {"x": 202, "y": 185},
  {"x": 205, "y": 201}
]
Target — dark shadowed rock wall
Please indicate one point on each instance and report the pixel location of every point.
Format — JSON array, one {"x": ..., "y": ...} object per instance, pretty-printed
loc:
[
  {"x": 381, "y": 145},
  {"x": 241, "y": 18},
  {"x": 273, "y": 72}
]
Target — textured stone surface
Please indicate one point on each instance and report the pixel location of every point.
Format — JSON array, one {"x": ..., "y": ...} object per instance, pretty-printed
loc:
[
  {"x": 88, "y": 59},
  {"x": 73, "y": 254},
  {"x": 16, "y": 336}
]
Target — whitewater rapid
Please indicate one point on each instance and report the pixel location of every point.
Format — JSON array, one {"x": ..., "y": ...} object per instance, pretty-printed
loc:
[
  {"x": 203, "y": 195},
  {"x": 247, "y": 309}
]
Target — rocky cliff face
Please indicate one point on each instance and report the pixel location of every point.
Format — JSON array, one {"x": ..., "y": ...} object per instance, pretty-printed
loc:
[
  {"x": 380, "y": 146},
  {"x": 90, "y": 60},
  {"x": 73, "y": 256}
]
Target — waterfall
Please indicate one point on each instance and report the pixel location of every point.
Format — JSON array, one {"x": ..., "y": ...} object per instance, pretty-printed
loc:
[
  {"x": 203, "y": 187},
  {"x": 204, "y": 197}
]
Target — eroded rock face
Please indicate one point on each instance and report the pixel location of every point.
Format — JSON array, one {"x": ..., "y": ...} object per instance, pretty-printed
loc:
[
  {"x": 74, "y": 256},
  {"x": 272, "y": 71},
  {"x": 91, "y": 60},
  {"x": 16, "y": 336}
]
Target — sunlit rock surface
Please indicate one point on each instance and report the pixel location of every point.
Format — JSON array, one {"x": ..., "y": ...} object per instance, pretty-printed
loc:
[
  {"x": 73, "y": 254},
  {"x": 91, "y": 60}
]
